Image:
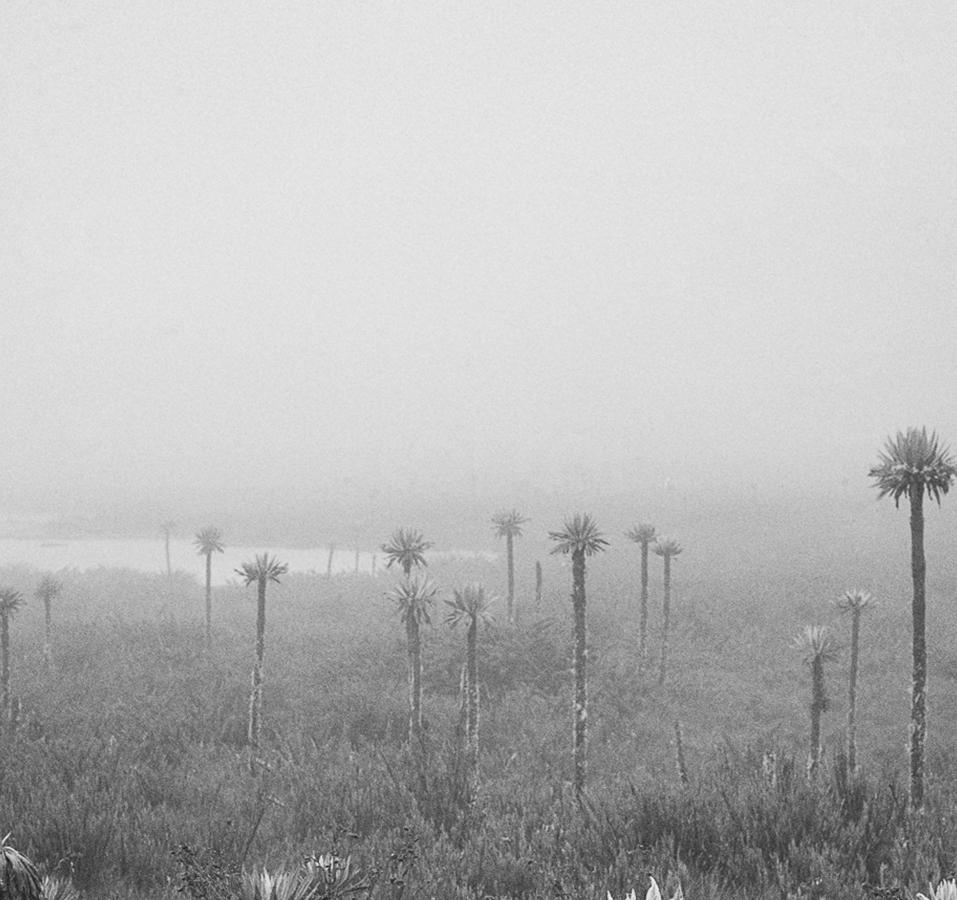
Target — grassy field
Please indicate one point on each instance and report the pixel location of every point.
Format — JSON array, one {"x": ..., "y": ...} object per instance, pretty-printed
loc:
[{"x": 127, "y": 769}]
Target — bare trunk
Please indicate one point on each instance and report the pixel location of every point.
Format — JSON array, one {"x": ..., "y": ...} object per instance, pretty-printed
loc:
[
  {"x": 357, "y": 560},
  {"x": 918, "y": 716},
  {"x": 47, "y": 631},
  {"x": 256, "y": 694},
  {"x": 581, "y": 677},
  {"x": 818, "y": 705},
  {"x": 643, "y": 611},
  {"x": 852, "y": 693},
  {"x": 415, "y": 678},
  {"x": 665, "y": 621},
  {"x": 510, "y": 554},
  {"x": 680, "y": 763},
  {"x": 4, "y": 670},
  {"x": 472, "y": 689},
  {"x": 169, "y": 564},
  {"x": 538, "y": 583},
  {"x": 332, "y": 553},
  {"x": 209, "y": 601}
]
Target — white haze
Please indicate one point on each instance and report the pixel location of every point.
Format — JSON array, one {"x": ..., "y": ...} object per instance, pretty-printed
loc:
[{"x": 266, "y": 252}]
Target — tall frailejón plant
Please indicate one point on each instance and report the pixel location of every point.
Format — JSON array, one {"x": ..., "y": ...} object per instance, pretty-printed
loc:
[
  {"x": 911, "y": 464},
  {"x": 261, "y": 571},
  {"x": 406, "y": 549},
  {"x": 414, "y": 599},
  {"x": 10, "y": 602},
  {"x": 580, "y": 538},
  {"x": 853, "y": 603},
  {"x": 643, "y": 536},
  {"x": 508, "y": 525},
  {"x": 47, "y": 591},
  {"x": 667, "y": 548},
  {"x": 207, "y": 542},
  {"x": 470, "y": 606},
  {"x": 818, "y": 647}
]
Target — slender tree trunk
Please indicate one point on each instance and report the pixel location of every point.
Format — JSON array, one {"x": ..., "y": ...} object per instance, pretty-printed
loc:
[
  {"x": 256, "y": 695},
  {"x": 472, "y": 690},
  {"x": 510, "y": 554},
  {"x": 4, "y": 670},
  {"x": 643, "y": 611},
  {"x": 918, "y": 716},
  {"x": 538, "y": 583},
  {"x": 169, "y": 564},
  {"x": 414, "y": 640},
  {"x": 852, "y": 693},
  {"x": 47, "y": 631},
  {"x": 581, "y": 677},
  {"x": 818, "y": 705},
  {"x": 665, "y": 620},
  {"x": 332, "y": 552},
  {"x": 209, "y": 601},
  {"x": 357, "y": 559},
  {"x": 681, "y": 764}
]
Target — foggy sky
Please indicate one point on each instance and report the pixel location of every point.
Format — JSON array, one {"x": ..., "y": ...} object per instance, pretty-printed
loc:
[{"x": 263, "y": 247}]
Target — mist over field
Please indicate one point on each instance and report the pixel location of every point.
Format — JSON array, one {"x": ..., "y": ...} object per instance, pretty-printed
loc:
[{"x": 450, "y": 451}]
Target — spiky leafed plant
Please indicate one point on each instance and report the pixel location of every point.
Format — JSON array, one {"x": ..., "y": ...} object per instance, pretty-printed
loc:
[
  {"x": 914, "y": 463},
  {"x": 945, "y": 890},
  {"x": 580, "y": 538},
  {"x": 207, "y": 542},
  {"x": 667, "y": 548},
  {"x": 853, "y": 602},
  {"x": 10, "y": 602},
  {"x": 19, "y": 878},
  {"x": 819, "y": 647},
  {"x": 643, "y": 536},
  {"x": 47, "y": 591},
  {"x": 508, "y": 524},
  {"x": 414, "y": 599},
  {"x": 167, "y": 528},
  {"x": 470, "y": 606},
  {"x": 406, "y": 548},
  {"x": 262, "y": 570}
]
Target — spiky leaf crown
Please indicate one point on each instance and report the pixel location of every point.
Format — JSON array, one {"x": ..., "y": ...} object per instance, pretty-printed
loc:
[
  {"x": 508, "y": 523},
  {"x": 911, "y": 463},
  {"x": 580, "y": 535},
  {"x": 263, "y": 568}
]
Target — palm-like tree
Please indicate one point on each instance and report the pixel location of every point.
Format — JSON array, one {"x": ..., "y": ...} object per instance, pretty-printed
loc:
[
  {"x": 508, "y": 525},
  {"x": 262, "y": 570},
  {"x": 414, "y": 598},
  {"x": 470, "y": 606},
  {"x": 207, "y": 542},
  {"x": 853, "y": 602},
  {"x": 10, "y": 602},
  {"x": 48, "y": 590},
  {"x": 818, "y": 646},
  {"x": 667, "y": 548},
  {"x": 643, "y": 536},
  {"x": 580, "y": 538},
  {"x": 406, "y": 548},
  {"x": 911, "y": 464}
]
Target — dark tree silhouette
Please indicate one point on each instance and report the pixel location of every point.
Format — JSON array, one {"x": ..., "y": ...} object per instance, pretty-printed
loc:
[
  {"x": 207, "y": 542},
  {"x": 47, "y": 591},
  {"x": 667, "y": 548},
  {"x": 414, "y": 598},
  {"x": 643, "y": 536},
  {"x": 853, "y": 602},
  {"x": 508, "y": 525},
  {"x": 406, "y": 548},
  {"x": 819, "y": 647}
]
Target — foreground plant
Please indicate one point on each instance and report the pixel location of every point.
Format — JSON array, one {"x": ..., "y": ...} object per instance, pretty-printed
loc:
[
  {"x": 207, "y": 542},
  {"x": 325, "y": 877},
  {"x": 654, "y": 893},
  {"x": 914, "y": 463},
  {"x": 580, "y": 538},
  {"x": 667, "y": 548},
  {"x": 946, "y": 890},
  {"x": 10, "y": 602},
  {"x": 47, "y": 591},
  {"x": 819, "y": 647},
  {"x": 853, "y": 602},
  {"x": 19, "y": 879},
  {"x": 509, "y": 526},
  {"x": 262, "y": 570},
  {"x": 470, "y": 606},
  {"x": 414, "y": 599}
]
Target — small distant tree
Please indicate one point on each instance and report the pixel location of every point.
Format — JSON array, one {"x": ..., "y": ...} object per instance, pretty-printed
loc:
[
  {"x": 47, "y": 591},
  {"x": 667, "y": 548},
  {"x": 167, "y": 528},
  {"x": 508, "y": 525},
  {"x": 10, "y": 602},
  {"x": 854, "y": 603},
  {"x": 913, "y": 464},
  {"x": 414, "y": 599},
  {"x": 332, "y": 553},
  {"x": 261, "y": 571},
  {"x": 580, "y": 538},
  {"x": 209, "y": 541},
  {"x": 470, "y": 606},
  {"x": 406, "y": 548},
  {"x": 819, "y": 647},
  {"x": 538, "y": 582},
  {"x": 643, "y": 536}
]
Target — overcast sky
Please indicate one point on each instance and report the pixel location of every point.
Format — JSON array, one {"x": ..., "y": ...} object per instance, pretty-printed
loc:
[{"x": 283, "y": 244}]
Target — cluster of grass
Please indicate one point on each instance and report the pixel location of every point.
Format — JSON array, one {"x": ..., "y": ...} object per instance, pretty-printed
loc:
[{"x": 127, "y": 772}]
